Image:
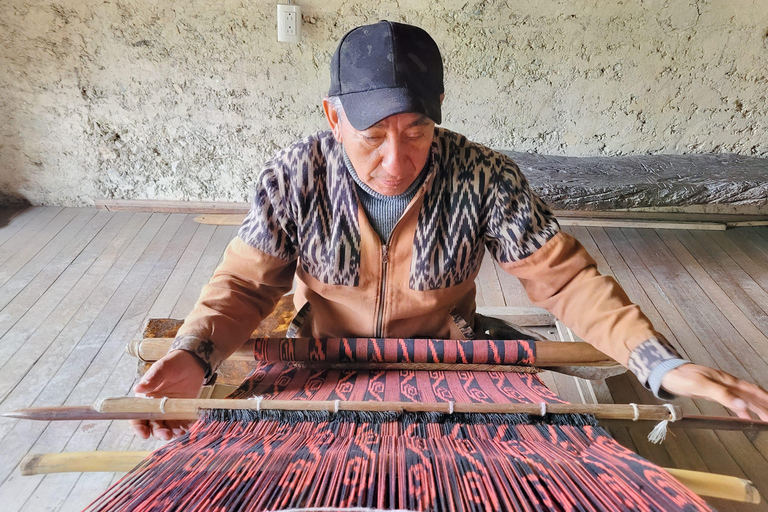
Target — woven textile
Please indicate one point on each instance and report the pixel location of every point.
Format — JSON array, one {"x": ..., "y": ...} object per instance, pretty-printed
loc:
[
  {"x": 387, "y": 350},
  {"x": 269, "y": 460}
]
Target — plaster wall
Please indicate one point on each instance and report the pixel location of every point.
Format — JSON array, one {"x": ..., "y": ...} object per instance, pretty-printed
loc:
[{"x": 185, "y": 100}]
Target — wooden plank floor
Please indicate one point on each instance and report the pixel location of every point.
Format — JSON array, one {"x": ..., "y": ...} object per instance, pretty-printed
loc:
[{"x": 76, "y": 285}]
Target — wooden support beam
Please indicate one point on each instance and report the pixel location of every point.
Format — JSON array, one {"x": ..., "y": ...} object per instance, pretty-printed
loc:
[
  {"x": 232, "y": 219},
  {"x": 641, "y": 224},
  {"x": 159, "y": 206},
  {"x": 695, "y": 213},
  {"x": 235, "y": 219},
  {"x": 703, "y": 484},
  {"x": 747, "y": 224}
]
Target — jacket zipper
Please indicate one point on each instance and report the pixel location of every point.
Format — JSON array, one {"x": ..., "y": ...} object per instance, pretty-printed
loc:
[
  {"x": 382, "y": 290},
  {"x": 379, "y": 330}
]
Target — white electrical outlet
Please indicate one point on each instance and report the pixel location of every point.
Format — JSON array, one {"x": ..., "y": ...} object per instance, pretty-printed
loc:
[{"x": 288, "y": 23}]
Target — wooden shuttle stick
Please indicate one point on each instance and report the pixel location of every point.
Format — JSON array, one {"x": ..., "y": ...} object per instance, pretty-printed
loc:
[{"x": 703, "y": 484}]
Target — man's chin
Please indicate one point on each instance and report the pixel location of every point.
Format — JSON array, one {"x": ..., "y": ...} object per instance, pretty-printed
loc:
[{"x": 387, "y": 189}]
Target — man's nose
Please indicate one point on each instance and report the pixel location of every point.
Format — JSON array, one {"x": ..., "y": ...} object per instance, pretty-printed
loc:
[{"x": 395, "y": 160}]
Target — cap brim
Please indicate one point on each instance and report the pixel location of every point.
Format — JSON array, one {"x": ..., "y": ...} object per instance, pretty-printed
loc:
[{"x": 366, "y": 108}]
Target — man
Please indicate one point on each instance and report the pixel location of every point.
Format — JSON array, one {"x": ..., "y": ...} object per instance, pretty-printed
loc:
[{"x": 385, "y": 219}]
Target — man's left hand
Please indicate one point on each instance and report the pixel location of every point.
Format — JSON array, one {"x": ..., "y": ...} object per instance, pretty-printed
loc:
[{"x": 696, "y": 381}]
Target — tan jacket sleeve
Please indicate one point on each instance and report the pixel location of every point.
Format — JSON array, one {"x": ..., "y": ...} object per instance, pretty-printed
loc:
[
  {"x": 243, "y": 291},
  {"x": 563, "y": 278}
]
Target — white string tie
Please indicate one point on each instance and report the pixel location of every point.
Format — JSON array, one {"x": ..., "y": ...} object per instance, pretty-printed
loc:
[
  {"x": 543, "y": 411},
  {"x": 258, "y": 400},
  {"x": 659, "y": 432},
  {"x": 672, "y": 411},
  {"x": 162, "y": 404},
  {"x": 637, "y": 412},
  {"x": 336, "y": 405},
  {"x": 450, "y": 407}
]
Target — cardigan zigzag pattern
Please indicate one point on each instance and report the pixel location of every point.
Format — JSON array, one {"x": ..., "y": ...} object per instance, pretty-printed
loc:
[{"x": 306, "y": 206}]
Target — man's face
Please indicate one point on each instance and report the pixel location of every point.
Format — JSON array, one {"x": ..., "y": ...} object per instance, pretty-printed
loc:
[{"x": 388, "y": 156}]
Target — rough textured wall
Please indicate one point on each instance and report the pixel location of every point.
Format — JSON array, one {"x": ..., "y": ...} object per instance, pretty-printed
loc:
[{"x": 184, "y": 100}]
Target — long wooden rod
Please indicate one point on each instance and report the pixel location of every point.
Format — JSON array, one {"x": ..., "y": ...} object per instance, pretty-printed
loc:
[
  {"x": 234, "y": 219},
  {"x": 549, "y": 354},
  {"x": 80, "y": 462},
  {"x": 717, "y": 486},
  {"x": 188, "y": 409},
  {"x": 703, "y": 484},
  {"x": 149, "y": 409}
]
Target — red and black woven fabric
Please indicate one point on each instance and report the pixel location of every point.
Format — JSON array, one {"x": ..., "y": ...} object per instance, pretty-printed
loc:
[
  {"x": 388, "y": 350},
  {"x": 304, "y": 461}
]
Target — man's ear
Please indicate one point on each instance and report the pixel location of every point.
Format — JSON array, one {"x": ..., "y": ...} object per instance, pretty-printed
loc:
[
  {"x": 334, "y": 120},
  {"x": 442, "y": 97}
]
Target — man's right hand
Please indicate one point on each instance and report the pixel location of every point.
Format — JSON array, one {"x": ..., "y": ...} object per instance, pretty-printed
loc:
[{"x": 176, "y": 375}]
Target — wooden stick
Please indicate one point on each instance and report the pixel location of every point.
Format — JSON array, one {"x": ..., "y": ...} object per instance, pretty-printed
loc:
[
  {"x": 651, "y": 224},
  {"x": 217, "y": 219},
  {"x": 80, "y": 462},
  {"x": 162, "y": 206},
  {"x": 188, "y": 408},
  {"x": 549, "y": 354},
  {"x": 747, "y": 224},
  {"x": 703, "y": 484},
  {"x": 82, "y": 413},
  {"x": 717, "y": 486},
  {"x": 610, "y": 415},
  {"x": 700, "y": 213},
  {"x": 235, "y": 219},
  {"x": 693, "y": 213}
]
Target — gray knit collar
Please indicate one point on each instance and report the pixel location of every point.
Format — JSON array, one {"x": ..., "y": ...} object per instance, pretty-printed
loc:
[{"x": 408, "y": 194}]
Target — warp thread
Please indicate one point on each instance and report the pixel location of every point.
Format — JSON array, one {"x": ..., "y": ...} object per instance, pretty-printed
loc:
[{"x": 318, "y": 461}]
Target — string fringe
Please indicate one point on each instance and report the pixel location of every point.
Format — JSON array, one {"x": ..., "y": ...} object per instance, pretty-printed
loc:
[{"x": 659, "y": 432}]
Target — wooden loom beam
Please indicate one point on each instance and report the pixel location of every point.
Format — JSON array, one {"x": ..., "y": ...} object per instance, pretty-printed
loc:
[
  {"x": 701, "y": 483},
  {"x": 548, "y": 354},
  {"x": 188, "y": 409},
  {"x": 573, "y": 219}
]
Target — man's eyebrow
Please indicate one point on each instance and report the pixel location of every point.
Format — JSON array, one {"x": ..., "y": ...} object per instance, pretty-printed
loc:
[{"x": 421, "y": 121}]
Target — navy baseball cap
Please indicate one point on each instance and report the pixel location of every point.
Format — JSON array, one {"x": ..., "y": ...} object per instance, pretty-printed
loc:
[{"x": 384, "y": 69}]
